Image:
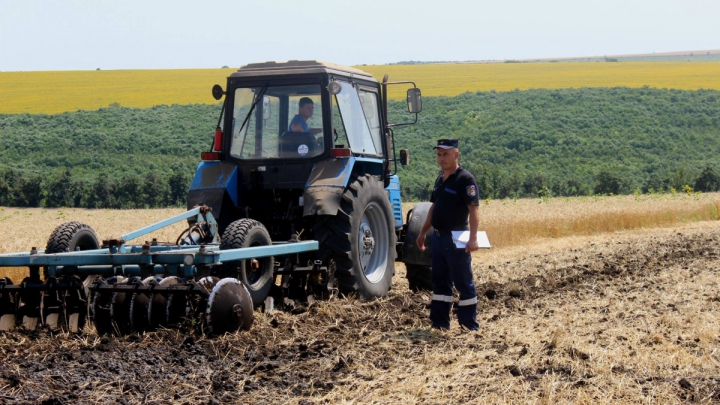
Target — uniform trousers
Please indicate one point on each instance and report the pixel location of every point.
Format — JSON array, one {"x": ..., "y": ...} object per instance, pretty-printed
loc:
[{"x": 451, "y": 265}]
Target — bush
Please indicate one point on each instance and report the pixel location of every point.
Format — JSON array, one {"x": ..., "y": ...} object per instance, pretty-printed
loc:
[{"x": 708, "y": 180}]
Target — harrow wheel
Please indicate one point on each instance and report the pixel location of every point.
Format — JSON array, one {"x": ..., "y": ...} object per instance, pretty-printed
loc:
[
  {"x": 67, "y": 310},
  {"x": 71, "y": 236},
  {"x": 256, "y": 274}
]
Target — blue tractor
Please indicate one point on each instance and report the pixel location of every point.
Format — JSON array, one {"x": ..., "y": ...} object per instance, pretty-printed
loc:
[
  {"x": 304, "y": 151},
  {"x": 296, "y": 199}
]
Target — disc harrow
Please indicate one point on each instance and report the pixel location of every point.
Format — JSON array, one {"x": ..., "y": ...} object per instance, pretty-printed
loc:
[{"x": 122, "y": 288}]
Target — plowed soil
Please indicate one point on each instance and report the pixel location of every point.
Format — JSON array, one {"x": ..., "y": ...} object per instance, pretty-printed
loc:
[{"x": 621, "y": 318}]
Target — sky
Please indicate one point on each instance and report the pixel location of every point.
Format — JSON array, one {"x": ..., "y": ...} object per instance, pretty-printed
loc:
[{"x": 147, "y": 34}]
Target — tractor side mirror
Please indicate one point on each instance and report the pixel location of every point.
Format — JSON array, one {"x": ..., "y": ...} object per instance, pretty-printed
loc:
[
  {"x": 404, "y": 157},
  {"x": 217, "y": 92},
  {"x": 414, "y": 100}
]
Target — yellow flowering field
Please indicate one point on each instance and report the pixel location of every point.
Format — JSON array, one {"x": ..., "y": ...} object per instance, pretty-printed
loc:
[
  {"x": 54, "y": 92},
  {"x": 454, "y": 79},
  {"x": 60, "y": 91}
]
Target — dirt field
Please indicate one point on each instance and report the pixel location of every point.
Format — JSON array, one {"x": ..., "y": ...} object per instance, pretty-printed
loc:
[{"x": 620, "y": 318}]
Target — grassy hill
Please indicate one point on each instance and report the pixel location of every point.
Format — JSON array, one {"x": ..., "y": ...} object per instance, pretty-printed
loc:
[{"x": 518, "y": 143}]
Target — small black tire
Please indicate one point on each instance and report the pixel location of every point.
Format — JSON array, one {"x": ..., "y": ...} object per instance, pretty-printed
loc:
[
  {"x": 419, "y": 277},
  {"x": 70, "y": 236},
  {"x": 245, "y": 233},
  {"x": 361, "y": 239}
]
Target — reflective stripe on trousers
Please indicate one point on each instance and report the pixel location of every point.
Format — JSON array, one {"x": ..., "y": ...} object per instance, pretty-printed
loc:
[{"x": 442, "y": 298}]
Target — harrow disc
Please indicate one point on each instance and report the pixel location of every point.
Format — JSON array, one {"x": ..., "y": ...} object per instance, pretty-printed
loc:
[
  {"x": 120, "y": 310},
  {"x": 140, "y": 307},
  {"x": 52, "y": 309},
  {"x": 101, "y": 304},
  {"x": 7, "y": 306},
  {"x": 165, "y": 309},
  {"x": 229, "y": 307},
  {"x": 76, "y": 309},
  {"x": 29, "y": 306}
]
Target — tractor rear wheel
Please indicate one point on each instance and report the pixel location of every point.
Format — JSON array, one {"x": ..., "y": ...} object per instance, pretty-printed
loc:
[
  {"x": 361, "y": 239},
  {"x": 419, "y": 277},
  {"x": 256, "y": 273}
]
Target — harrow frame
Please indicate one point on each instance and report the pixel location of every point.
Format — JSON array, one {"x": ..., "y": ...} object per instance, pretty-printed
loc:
[
  {"x": 149, "y": 259},
  {"x": 135, "y": 265}
]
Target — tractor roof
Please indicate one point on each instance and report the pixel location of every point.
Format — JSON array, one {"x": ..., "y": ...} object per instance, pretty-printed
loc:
[{"x": 299, "y": 67}]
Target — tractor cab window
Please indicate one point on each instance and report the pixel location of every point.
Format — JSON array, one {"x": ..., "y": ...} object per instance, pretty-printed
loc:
[
  {"x": 359, "y": 121},
  {"x": 282, "y": 122}
]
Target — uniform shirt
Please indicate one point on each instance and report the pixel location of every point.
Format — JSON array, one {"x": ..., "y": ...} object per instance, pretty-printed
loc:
[
  {"x": 451, "y": 199},
  {"x": 297, "y": 119}
]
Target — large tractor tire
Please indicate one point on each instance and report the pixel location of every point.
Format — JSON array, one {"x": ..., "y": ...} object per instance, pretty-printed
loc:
[
  {"x": 361, "y": 239},
  {"x": 256, "y": 274},
  {"x": 419, "y": 277},
  {"x": 417, "y": 262},
  {"x": 70, "y": 236}
]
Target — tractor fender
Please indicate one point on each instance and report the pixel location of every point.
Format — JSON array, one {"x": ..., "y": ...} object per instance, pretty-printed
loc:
[
  {"x": 215, "y": 185},
  {"x": 415, "y": 220},
  {"x": 328, "y": 181}
]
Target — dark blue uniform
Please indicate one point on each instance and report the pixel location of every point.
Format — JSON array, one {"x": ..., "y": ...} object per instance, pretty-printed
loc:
[{"x": 451, "y": 265}]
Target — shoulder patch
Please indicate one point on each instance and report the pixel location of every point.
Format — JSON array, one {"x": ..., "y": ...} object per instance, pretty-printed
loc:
[{"x": 471, "y": 191}]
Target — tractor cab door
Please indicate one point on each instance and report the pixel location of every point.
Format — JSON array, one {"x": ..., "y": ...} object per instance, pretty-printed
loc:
[{"x": 356, "y": 120}]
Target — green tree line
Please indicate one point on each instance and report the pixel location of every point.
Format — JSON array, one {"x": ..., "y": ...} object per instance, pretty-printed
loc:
[
  {"x": 61, "y": 189},
  {"x": 568, "y": 142},
  {"x": 518, "y": 144}
]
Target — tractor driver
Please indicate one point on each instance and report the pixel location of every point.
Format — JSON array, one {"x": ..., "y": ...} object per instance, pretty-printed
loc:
[{"x": 299, "y": 121}]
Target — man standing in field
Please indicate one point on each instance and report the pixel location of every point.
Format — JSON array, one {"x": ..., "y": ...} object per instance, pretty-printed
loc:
[{"x": 454, "y": 199}]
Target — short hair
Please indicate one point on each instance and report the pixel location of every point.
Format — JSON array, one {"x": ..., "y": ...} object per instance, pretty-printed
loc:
[{"x": 304, "y": 101}]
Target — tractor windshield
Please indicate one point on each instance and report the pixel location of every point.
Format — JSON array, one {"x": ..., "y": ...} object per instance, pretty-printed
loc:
[{"x": 277, "y": 122}]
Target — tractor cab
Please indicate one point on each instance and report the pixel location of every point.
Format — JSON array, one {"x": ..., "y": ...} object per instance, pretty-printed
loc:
[
  {"x": 301, "y": 110},
  {"x": 289, "y": 134},
  {"x": 295, "y": 121},
  {"x": 303, "y": 151}
]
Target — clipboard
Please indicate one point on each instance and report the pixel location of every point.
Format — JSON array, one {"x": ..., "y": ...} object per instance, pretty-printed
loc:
[{"x": 460, "y": 238}]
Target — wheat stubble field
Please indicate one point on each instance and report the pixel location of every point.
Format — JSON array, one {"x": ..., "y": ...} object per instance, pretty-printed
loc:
[{"x": 573, "y": 309}]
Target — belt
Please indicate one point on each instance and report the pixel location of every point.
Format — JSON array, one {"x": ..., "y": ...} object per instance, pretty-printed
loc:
[{"x": 441, "y": 233}]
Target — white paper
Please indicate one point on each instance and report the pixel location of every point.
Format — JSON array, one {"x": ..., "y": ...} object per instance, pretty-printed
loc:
[{"x": 461, "y": 238}]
